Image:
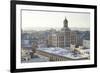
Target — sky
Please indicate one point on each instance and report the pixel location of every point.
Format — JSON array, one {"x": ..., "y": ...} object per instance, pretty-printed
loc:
[{"x": 43, "y": 20}]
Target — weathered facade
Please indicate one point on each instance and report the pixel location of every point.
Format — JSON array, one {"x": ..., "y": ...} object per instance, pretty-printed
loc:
[{"x": 63, "y": 38}]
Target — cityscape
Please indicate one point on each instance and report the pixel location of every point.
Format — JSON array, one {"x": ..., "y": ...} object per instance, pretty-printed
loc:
[{"x": 65, "y": 44}]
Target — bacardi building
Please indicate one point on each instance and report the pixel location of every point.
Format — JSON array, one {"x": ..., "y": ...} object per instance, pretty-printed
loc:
[{"x": 63, "y": 38}]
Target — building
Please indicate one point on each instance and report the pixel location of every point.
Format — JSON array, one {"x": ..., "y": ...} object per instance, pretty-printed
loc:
[
  {"x": 26, "y": 50},
  {"x": 60, "y": 54},
  {"x": 63, "y": 38},
  {"x": 82, "y": 35},
  {"x": 81, "y": 50},
  {"x": 25, "y": 54},
  {"x": 27, "y": 47},
  {"x": 86, "y": 44}
]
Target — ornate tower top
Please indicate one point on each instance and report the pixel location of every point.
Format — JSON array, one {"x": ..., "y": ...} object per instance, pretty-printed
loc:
[
  {"x": 66, "y": 23},
  {"x": 65, "y": 28}
]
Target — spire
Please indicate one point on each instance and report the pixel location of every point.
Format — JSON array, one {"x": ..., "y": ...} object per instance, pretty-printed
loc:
[
  {"x": 65, "y": 23},
  {"x": 65, "y": 28}
]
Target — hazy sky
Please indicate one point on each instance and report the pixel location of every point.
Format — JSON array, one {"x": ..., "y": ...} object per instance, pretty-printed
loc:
[{"x": 42, "y": 20}]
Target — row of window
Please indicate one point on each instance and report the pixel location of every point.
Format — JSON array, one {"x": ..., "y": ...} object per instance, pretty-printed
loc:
[{"x": 54, "y": 58}]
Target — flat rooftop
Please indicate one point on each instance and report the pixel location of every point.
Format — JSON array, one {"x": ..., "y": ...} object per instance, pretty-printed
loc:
[{"x": 63, "y": 52}]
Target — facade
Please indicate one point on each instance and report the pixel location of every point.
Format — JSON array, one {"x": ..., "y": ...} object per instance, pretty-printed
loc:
[
  {"x": 86, "y": 43},
  {"x": 63, "y": 38},
  {"x": 27, "y": 47},
  {"x": 25, "y": 54},
  {"x": 51, "y": 57},
  {"x": 60, "y": 54}
]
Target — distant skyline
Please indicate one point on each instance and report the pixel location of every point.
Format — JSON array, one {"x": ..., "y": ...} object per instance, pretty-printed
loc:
[{"x": 41, "y": 20}]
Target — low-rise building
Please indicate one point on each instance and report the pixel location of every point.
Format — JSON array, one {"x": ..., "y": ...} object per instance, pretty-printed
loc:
[
  {"x": 86, "y": 43},
  {"x": 59, "y": 54},
  {"x": 26, "y": 54}
]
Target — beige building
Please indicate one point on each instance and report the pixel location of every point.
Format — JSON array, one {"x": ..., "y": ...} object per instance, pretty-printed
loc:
[{"x": 63, "y": 38}]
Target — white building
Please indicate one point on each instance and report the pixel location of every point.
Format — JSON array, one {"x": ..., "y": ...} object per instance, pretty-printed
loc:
[
  {"x": 86, "y": 44},
  {"x": 25, "y": 54}
]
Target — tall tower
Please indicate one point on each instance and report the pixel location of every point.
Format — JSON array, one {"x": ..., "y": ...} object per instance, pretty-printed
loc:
[
  {"x": 65, "y": 23},
  {"x": 66, "y": 32}
]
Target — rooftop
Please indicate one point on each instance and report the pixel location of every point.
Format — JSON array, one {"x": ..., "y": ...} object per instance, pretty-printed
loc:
[
  {"x": 36, "y": 59},
  {"x": 62, "y": 52}
]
